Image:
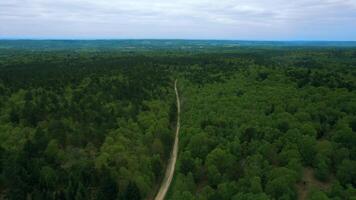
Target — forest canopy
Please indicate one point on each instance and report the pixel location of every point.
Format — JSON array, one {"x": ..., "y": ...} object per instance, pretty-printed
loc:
[{"x": 258, "y": 121}]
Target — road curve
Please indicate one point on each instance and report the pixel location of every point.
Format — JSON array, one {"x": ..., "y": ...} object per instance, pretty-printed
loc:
[{"x": 172, "y": 161}]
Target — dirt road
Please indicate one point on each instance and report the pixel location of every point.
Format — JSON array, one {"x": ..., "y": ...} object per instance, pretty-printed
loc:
[{"x": 172, "y": 161}]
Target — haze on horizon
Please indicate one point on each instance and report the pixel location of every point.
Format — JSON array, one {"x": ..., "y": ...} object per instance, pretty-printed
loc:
[{"x": 181, "y": 19}]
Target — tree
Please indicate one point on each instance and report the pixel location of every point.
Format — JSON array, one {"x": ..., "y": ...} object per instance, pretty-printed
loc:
[
  {"x": 132, "y": 192},
  {"x": 199, "y": 145},
  {"x": 281, "y": 183},
  {"x": 48, "y": 177},
  {"x": 187, "y": 163},
  {"x": 186, "y": 195},
  {"x": 307, "y": 149},
  {"x": 223, "y": 160},
  {"x": 322, "y": 170},
  {"x": 108, "y": 188},
  {"x": 214, "y": 175},
  {"x": 157, "y": 165},
  {"x": 339, "y": 155},
  {"x": 250, "y": 196},
  {"x": 52, "y": 150},
  {"x": 256, "y": 186},
  {"x": 346, "y": 172},
  {"x": 70, "y": 191},
  {"x": 315, "y": 194},
  {"x": 226, "y": 190},
  {"x": 157, "y": 147},
  {"x": 81, "y": 193}
]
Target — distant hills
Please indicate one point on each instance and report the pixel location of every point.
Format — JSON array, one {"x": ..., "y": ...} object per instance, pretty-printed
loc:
[{"x": 129, "y": 45}]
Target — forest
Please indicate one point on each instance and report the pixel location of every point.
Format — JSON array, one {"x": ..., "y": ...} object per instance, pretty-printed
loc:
[{"x": 265, "y": 121}]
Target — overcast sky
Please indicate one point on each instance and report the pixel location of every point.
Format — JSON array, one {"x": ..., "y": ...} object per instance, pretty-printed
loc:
[{"x": 179, "y": 19}]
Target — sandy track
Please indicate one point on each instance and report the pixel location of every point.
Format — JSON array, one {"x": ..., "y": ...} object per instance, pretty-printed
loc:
[{"x": 172, "y": 161}]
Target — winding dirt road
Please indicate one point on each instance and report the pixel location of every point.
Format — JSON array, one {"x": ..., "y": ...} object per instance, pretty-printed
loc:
[{"x": 172, "y": 161}]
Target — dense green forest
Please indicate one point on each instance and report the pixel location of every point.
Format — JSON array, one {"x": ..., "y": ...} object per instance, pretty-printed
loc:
[{"x": 258, "y": 121}]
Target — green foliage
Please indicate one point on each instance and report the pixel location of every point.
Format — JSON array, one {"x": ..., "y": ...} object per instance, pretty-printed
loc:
[
  {"x": 346, "y": 172},
  {"x": 98, "y": 123},
  {"x": 260, "y": 124},
  {"x": 317, "y": 195},
  {"x": 77, "y": 126},
  {"x": 132, "y": 192}
]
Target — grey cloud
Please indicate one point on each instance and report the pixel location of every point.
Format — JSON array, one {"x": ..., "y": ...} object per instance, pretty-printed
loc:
[{"x": 229, "y": 19}]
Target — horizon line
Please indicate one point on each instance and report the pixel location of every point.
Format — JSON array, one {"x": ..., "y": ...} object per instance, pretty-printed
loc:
[{"x": 181, "y": 39}]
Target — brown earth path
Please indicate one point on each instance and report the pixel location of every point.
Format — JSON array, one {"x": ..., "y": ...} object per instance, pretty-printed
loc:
[{"x": 167, "y": 180}]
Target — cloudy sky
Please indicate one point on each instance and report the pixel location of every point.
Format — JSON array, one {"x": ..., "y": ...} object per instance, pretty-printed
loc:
[{"x": 179, "y": 19}]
